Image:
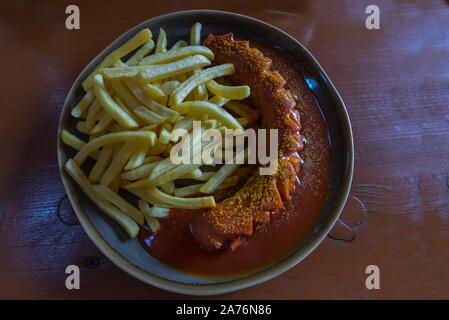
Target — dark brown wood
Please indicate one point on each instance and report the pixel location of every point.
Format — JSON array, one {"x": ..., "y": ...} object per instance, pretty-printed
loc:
[{"x": 395, "y": 82}]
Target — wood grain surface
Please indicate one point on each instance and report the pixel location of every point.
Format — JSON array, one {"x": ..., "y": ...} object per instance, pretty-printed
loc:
[{"x": 394, "y": 81}]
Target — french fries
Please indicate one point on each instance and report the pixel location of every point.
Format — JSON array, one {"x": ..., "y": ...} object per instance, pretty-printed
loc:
[
  {"x": 148, "y": 116},
  {"x": 142, "y": 52},
  {"x": 179, "y": 44},
  {"x": 187, "y": 86},
  {"x": 152, "y": 222},
  {"x": 108, "y": 195},
  {"x": 102, "y": 163},
  {"x": 181, "y": 203},
  {"x": 118, "y": 163},
  {"x": 110, "y": 106},
  {"x": 130, "y": 111},
  {"x": 138, "y": 157},
  {"x": 161, "y": 44},
  {"x": 112, "y": 138},
  {"x": 196, "y": 108},
  {"x": 84, "y": 103},
  {"x": 140, "y": 38},
  {"x": 228, "y": 92},
  {"x": 115, "y": 213},
  {"x": 177, "y": 54},
  {"x": 153, "y": 92},
  {"x": 166, "y": 177},
  {"x": 163, "y": 71},
  {"x": 195, "y": 34}
]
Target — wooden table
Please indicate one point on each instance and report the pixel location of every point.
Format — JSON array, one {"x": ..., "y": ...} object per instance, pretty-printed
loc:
[{"x": 395, "y": 82}]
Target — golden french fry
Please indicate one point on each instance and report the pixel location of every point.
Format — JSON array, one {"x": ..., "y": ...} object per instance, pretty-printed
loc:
[
  {"x": 218, "y": 177},
  {"x": 102, "y": 163},
  {"x": 144, "y": 195},
  {"x": 153, "y": 223},
  {"x": 179, "y": 44},
  {"x": 195, "y": 174},
  {"x": 168, "y": 187},
  {"x": 199, "y": 108},
  {"x": 219, "y": 101},
  {"x": 118, "y": 162},
  {"x": 146, "y": 210},
  {"x": 115, "y": 137},
  {"x": 142, "y": 52},
  {"x": 195, "y": 80},
  {"x": 153, "y": 92},
  {"x": 169, "y": 86},
  {"x": 140, "y": 38},
  {"x": 110, "y": 106},
  {"x": 157, "y": 149},
  {"x": 110, "y": 196},
  {"x": 124, "y": 94},
  {"x": 115, "y": 184},
  {"x": 163, "y": 71},
  {"x": 150, "y": 104},
  {"x": 187, "y": 190},
  {"x": 195, "y": 189},
  {"x": 105, "y": 121},
  {"x": 82, "y": 127},
  {"x": 181, "y": 203},
  {"x": 115, "y": 127},
  {"x": 92, "y": 115},
  {"x": 177, "y": 54},
  {"x": 76, "y": 143},
  {"x": 228, "y": 92},
  {"x": 115, "y": 213},
  {"x": 149, "y": 116},
  {"x": 164, "y": 178},
  {"x": 161, "y": 43},
  {"x": 160, "y": 199},
  {"x": 158, "y": 212},
  {"x": 173, "y": 174},
  {"x": 144, "y": 207},
  {"x": 200, "y": 92},
  {"x": 122, "y": 71},
  {"x": 162, "y": 167},
  {"x": 164, "y": 136},
  {"x": 195, "y": 34},
  {"x": 140, "y": 172},
  {"x": 83, "y": 105},
  {"x": 205, "y": 176},
  {"x": 138, "y": 157}
]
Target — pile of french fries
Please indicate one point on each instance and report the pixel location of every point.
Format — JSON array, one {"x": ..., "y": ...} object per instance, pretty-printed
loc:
[{"x": 128, "y": 113}]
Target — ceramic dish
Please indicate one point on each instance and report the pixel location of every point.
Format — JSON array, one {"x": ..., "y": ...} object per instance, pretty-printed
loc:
[{"x": 129, "y": 255}]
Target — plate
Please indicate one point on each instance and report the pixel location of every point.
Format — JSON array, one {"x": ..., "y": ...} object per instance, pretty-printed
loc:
[{"x": 129, "y": 255}]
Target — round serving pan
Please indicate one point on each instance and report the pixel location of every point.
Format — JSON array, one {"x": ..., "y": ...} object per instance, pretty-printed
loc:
[{"x": 128, "y": 254}]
